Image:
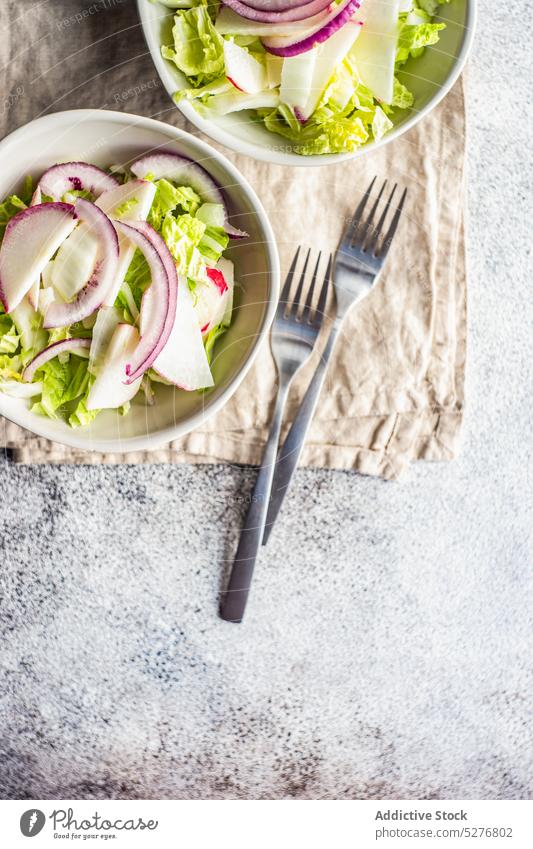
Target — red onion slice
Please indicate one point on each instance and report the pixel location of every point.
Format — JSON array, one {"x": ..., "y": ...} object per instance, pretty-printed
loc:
[
  {"x": 156, "y": 324},
  {"x": 185, "y": 172},
  {"x": 93, "y": 294},
  {"x": 286, "y": 46},
  {"x": 66, "y": 345},
  {"x": 263, "y": 11},
  {"x": 74, "y": 176}
]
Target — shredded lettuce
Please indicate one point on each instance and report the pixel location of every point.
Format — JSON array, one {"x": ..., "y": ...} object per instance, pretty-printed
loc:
[
  {"x": 198, "y": 48},
  {"x": 63, "y": 382},
  {"x": 8, "y": 209}
]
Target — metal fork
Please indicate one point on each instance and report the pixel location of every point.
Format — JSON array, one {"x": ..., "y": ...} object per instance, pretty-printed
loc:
[
  {"x": 357, "y": 265},
  {"x": 294, "y": 333}
]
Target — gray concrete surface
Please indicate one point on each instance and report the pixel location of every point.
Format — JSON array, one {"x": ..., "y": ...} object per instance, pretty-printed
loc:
[{"x": 387, "y": 647}]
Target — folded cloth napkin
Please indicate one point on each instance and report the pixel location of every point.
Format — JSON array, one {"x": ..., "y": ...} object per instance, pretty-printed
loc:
[{"x": 394, "y": 391}]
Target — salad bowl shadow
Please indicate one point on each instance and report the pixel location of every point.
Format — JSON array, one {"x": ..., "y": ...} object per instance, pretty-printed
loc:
[
  {"x": 106, "y": 138},
  {"x": 429, "y": 77}
]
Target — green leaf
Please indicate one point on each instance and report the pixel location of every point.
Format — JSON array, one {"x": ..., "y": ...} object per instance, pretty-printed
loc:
[
  {"x": 8, "y": 209},
  {"x": 198, "y": 48}
]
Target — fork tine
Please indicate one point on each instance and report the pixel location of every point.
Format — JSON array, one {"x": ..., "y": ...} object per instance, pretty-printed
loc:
[
  {"x": 362, "y": 232},
  {"x": 306, "y": 312},
  {"x": 351, "y": 227},
  {"x": 377, "y": 231},
  {"x": 298, "y": 296},
  {"x": 284, "y": 297},
  {"x": 321, "y": 306},
  {"x": 385, "y": 245}
]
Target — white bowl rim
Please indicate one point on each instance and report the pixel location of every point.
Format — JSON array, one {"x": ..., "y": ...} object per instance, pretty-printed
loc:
[
  {"x": 159, "y": 438},
  {"x": 218, "y": 134}
]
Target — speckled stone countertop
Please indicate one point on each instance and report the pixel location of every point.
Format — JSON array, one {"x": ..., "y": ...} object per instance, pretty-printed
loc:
[{"x": 387, "y": 648}]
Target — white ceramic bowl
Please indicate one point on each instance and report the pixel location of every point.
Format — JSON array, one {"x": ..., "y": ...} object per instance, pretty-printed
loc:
[
  {"x": 429, "y": 77},
  {"x": 106, "y": 138}
]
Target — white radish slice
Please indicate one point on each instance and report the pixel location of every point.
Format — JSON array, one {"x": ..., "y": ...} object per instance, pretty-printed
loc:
[
  {"x": 66, "y": 346},
  {"x": 33, "y": 294},
  {"x": 237, "y": 101},
  {"x": 226, "y": 267},
  {"x": 130, "y": 202},
  {"x": 229, "y": 22},
  {"x": 243, "y": 70},
  {"x": 375, "y": 51},
  {"x": 295, "y": 44},
  {"x": 110, "y": 389},
  {"x": 31, "y": 238},
  {"x": 36, "y": 197},
  {"x": 184, "y": 172},
  {"x": 211, "y": 300},
  {"x": 93, "y": 294},
  {"x": 329, "y": 57},
  {"x": 106, "y": 323},
  {"x": 158, "y": 302},
  {"x": 297, "y": 79},
  {"x": 46, "y": 274},
  {"x": 180, "y": 170},
  {"x": 74, "y": 176},
  {"x": 75, "y": 261},
  {"x": 274, "y": 66},
  {"x": 183, "y": 360}
]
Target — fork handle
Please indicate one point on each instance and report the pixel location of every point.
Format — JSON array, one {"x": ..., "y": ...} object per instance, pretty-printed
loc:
[
  {"x": 289, "y": 454},
  {"x": 234, "y": 600}
]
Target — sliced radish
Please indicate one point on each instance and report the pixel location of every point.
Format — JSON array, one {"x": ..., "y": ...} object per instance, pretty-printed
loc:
[
  {"x": 31, "y": 238},
  {"x": 130, "y": 202},
  {"x": 75, "y": 261},
  {"x": 74, "y": 176},
  {"x": 375, "y": 51},
  {"x": 277, "y": 11},
  {"x": 93, "y": 294},
  {"x": 66, "y": 346},
  {"x": 183, "y": 360},
  {"x": 46, "y": 299},
  {"x": 33, "y": 294},
  {"x": 211, "y": 300},
  {"x": 158, "y": 302},
  {"x": 107, "y": 321},
  {"x": 237, "y": 101},
  {"x": 295, "y": 44},
  {"x": 226, "y": 267},
  {"x": 229, "y": 22},
  {"x": 274, "y": 66},
  {"x": 184, "y": 172},
  {"x": 243, "y": 70},
  {"x": 180, "y": 170},
  {"x": 297, "y": 79},
  {"x": 36, "y": 197},
  {"x": 111, "y": 389},
  {"x": 329, "y": 57}
]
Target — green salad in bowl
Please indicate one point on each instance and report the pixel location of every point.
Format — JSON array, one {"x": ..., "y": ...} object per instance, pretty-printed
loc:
[
  {"x": 112, "y": 281},
  {"x": 326, "y": 76}
]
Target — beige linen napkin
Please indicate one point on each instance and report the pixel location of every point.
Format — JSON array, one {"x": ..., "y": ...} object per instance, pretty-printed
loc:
[{"x": 395, "y": 386}]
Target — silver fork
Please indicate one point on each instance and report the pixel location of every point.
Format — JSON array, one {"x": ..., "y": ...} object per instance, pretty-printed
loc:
[
  {"x": 294, "y": 333},
  {"x": 356, "y": 267}
]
